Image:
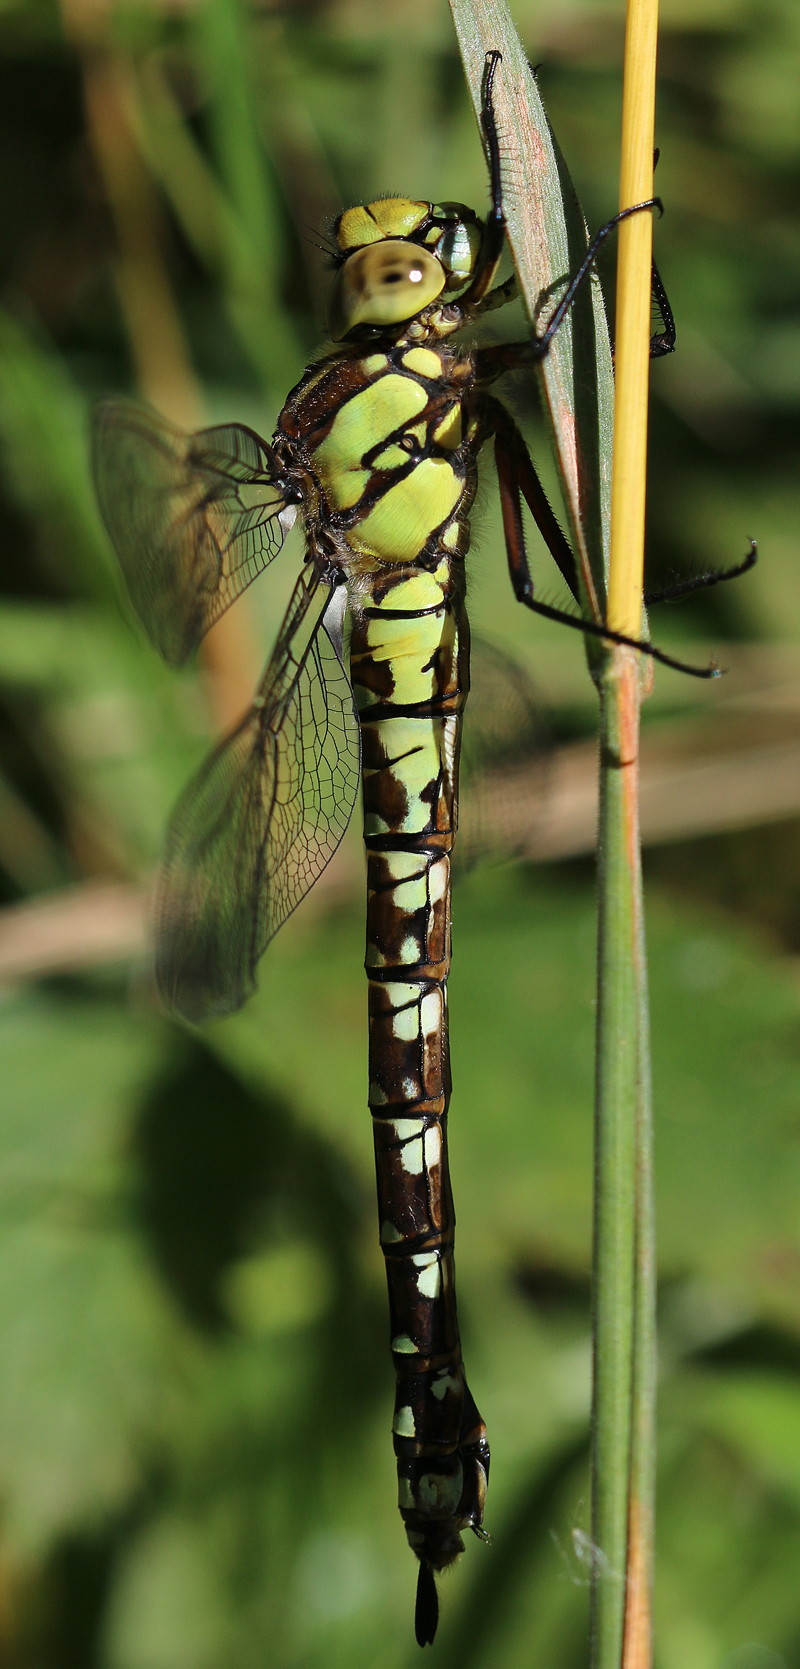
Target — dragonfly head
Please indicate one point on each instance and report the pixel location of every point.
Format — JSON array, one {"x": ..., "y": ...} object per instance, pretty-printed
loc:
[{"x": 396, "y": 257}]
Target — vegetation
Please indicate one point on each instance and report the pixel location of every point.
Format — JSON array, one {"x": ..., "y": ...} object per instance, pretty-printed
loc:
[{"x": 195, "y": 1402}]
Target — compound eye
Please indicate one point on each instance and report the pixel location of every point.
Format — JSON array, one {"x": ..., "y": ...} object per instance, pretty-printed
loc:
[
  {"x": 383, "y": 284},
  {"x": 458, "y": 251}
]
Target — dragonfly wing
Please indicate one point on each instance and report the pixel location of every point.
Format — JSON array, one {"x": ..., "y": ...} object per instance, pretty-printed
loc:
[
  {"x": 192, "y": 518},
  {"x": 261, "y": 820},
  {"x": 505, "y": 754}
]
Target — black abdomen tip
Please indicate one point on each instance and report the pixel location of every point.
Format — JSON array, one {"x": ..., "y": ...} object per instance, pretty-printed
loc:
[{"x": 426, "y": 1615}]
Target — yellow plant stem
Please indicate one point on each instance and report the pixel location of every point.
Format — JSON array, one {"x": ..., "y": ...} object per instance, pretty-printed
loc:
[
  {"x": 624, "y": 1318},
  {"x": 632, "y": 352}
]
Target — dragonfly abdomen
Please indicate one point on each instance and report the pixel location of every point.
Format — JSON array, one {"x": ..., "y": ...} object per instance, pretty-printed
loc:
[{"x": 410, "y": 671}]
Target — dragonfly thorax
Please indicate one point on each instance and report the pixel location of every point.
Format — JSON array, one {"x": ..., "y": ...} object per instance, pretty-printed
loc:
[{"x": 398, "y": 256}]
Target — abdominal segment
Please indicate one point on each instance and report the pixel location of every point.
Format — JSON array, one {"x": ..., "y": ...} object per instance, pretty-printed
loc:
[{"x": 409, "y": 665}]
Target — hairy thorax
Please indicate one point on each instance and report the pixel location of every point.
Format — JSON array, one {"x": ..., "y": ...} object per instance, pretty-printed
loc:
[{"x": 389, "y": 443}]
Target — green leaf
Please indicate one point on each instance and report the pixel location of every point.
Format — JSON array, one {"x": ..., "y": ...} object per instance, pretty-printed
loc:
[{"x": 88, "y": 1340}]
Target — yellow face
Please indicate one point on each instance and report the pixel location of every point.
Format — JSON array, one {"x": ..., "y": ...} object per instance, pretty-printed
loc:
[{"x": 399, "y": 256}]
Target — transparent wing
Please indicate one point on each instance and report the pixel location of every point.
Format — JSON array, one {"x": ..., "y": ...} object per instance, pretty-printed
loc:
[
  {"x": 263, "y": 817},
  {"x": 505, "y": 753},
  {"x": 193, "y": 518}
]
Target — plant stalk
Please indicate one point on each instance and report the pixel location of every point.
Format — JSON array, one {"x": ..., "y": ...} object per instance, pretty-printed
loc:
[
  {"x": 617, "y": 1078},
  {"x": 623, "y": 1446}
]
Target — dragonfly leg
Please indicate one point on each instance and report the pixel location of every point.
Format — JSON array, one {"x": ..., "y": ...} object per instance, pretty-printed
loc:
[
  {"x": 514, "y": 356},
  {"x": 541, "y": 343},
  {"x": 507, "y": 453},
  {"x": 498, "y": 297},
  {"x": 480, "y": 296},
  {"x": 494, "y": 236},
  {"x": 702, "y": 582},
  {"x": 511, "y": 356},
  {"x": 661, "y": 342},
  {"x": 517, "y": 474}
]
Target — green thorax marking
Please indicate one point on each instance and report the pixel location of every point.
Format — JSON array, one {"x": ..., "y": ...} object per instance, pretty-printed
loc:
[{"x": 382, "y": 434}]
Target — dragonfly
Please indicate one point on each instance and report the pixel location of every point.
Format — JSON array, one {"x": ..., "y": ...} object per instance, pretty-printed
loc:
[{"x": 376, "y": 449}]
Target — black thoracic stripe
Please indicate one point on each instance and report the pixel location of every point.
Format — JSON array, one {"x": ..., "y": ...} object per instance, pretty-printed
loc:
[
  {"x": 440, "y": 1441},
  {"x": 318, "y": 429},
  {"x": 381, "y": 482}
]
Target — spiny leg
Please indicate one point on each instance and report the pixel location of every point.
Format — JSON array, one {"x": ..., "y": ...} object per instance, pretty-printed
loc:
[
  {"x": 492, "y": 247},
  {"x": 515, "y": 467},
  {"x": 512, "y": 356},
  {"x": 519, "y": 568},
  {"x": 476, "y": 297},
  {"x": 661, "y": 342},
  {"x": 540, "y": 344},
  {"x": 703, "y": 582}
]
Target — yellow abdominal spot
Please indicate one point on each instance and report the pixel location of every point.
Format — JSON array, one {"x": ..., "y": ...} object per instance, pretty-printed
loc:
[
  {"x": 403, "y": 1425},
  {"x": 399, "y": 994},
  {"x": 410, "y": 895},
  {"x": 405, "y": 1025},
  {"x": 389, "y": 637},
  {"x": 405, "y": 866},
  {"x": 422, "y": 590},
  {"x": 410, "y": 646},
  {"x": 429, "y": 1281},
  {"x": 417, "y": 745},
  {"x": 403, "y": 520}
]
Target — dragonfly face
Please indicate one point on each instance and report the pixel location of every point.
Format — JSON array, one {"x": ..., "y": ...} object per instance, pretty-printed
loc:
[{"x": 399, "y": 256}]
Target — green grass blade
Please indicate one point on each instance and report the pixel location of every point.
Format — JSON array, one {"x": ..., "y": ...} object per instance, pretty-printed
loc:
[
  {"x": 252, "y": 256},
  {"x": 548, "y": 239}
]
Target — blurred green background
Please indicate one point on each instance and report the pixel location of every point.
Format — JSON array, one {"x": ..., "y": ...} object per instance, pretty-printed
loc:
[{"x": 195, "y": 1387}]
